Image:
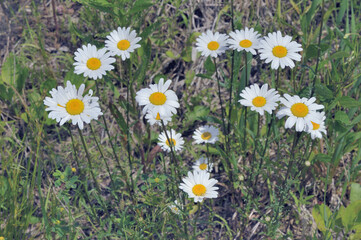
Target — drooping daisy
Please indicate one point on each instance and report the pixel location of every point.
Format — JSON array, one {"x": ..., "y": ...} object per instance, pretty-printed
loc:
[
  {"x": 318, "y": 126},
  {"x": 247, "y": 40},
  {"x": 203, "y": 164},
  {"x": 91, "y": 62},
  {"x": 300, "y": 111},
  {"x": 174, "y": 138},
  {"x": 279, "y": 50},
  {"x": 198, "y": 185},
  {"x": 206, "y": 134},
  {"x": 176, "y": 207},
  {"x": 158, "y": 98},
  {"x": 260, "y": 100},
  {"x": 211, "y": 44},
  {"x": 122, "y": 42},
  {"x": 154, "y": 117},
  {"x": 69, "y": 104}
]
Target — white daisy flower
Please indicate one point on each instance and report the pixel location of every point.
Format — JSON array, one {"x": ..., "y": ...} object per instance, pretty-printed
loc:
[
  {"x": 318, "y": 126},
  {"x": 247, "y": 40},
  {"x": 301, "y": 111},
  {"x": 210, "y": 44},
  {"x": 175, "y": 139},
  {"x": 260, "y": 100},
  {"x": 155, "y": 117},
  {"x": 206, "y": 134},
  {"x": 176, "y": 207},
  {"x": 122, "y": 42},
  {"x": 158, "y": 98},
  {"x": 199, "y": 186},
  {"x": 203, "y": 164},
  {"x": 69, "y": 104},
  {"x": 91, "y": 62},
  {"x": 279, "y": 50}
]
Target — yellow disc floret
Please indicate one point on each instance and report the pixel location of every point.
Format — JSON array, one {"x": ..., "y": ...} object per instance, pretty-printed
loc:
[
  {"x": 299, "y": 110},
  {"x": 157, "y": 98},
  {"x": 315, "y": 125},
  {"x": 93, "y": 63},
  {"x": 206, "y": 135},
  {"x": 203, "y": 166},
  {"x": 199, "y": 190},
  {"x": 259, "y": 101},
  {"x": 245, "y": 43},
  {"x": 172, "y": 140},
  {"x": 74, "y": 106},
  {"x": 279, "y": 51},
  {"x": 123, "y": 44},
  {"x": 213, "y": 45}
]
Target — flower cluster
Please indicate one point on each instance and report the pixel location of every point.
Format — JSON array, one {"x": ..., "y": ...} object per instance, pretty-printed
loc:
[
  {"x": 159, "y": 104},
  {"x": 69, "y": 103},
  {"x": 274, "y": 48},
  {"x": 280, "y": 51}
]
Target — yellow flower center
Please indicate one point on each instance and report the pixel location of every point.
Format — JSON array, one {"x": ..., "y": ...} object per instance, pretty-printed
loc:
[
  {"x": 123, "y": 44},
  {"x": 259, "y": 101},
  {"x": 245, "y": 43},
  {"x": 203, "y": 166},
  {"x": 172, "y": 140},
  {"x": 157, "y": 98},
  {"x": 157, "y": 180},
  {"x": 93, "y": 63},
  {"x": 206, "y": 135},
  {"x": 175, "y": 209},
  {"x": 279, "y": 51},
  {"x": 315, "y": 125},
  {"x": 199, "y": 190},
  {"x": 299, "y": 110},
  {"x": 74, "y": 106},
  {"x": 157, "y": 117},
  {"x": 213, "y": 45},
  {"x": 73, "y": 169}
]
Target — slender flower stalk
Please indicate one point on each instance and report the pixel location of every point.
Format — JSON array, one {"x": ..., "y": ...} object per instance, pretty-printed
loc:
[
  {"x": 102, "y": 155},
  {"x": 81, "y": 174},
  {"x": 319, "y": 49},
  {"x": 119, "y": 166}
]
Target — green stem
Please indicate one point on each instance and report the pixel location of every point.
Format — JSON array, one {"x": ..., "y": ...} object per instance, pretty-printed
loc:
[
  {"x": 319, "y": 49},
  {"x": 89, "y": 160},
  {"x": 221, "y": 102},
  {"x": 245, "y": 109},
  {"x": 81, "y": 174},
  {"x": 175, "y": 160},
  {"x": 128, "y": 130},
  {"x": 226, "y": 145},
  {"x": 195, "y": 220},
  {"x": 119, "y": 166},
  {"x": 102, "y": 155}
]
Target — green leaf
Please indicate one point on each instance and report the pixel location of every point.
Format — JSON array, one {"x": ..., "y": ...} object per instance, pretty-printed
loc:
[
  {"x": 118, "y": 117},
  {"x": 355, "y": 192},
  {"x": 342, "y": 117},
  {"x": 340, "y": 54},
  {"x": 8, "y": 70},
  {"x": 322, "y": 157},
  {"x": 357, "y": 234},
  {"x": 139, "y": 6},
  {"x": 209, "y": 66},
  {"x": 352, "y": 215},
  {"x": 323, "y": 92},
  {"x": 197, "y": 113},
  {"x": 321, "y": 214},
  {"x": 311, "y": 51},
  {"x": 348, "y": 102}
]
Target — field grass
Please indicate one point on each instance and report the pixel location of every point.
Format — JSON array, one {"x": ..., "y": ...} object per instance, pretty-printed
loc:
[{"x": 112, "y": 181}]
